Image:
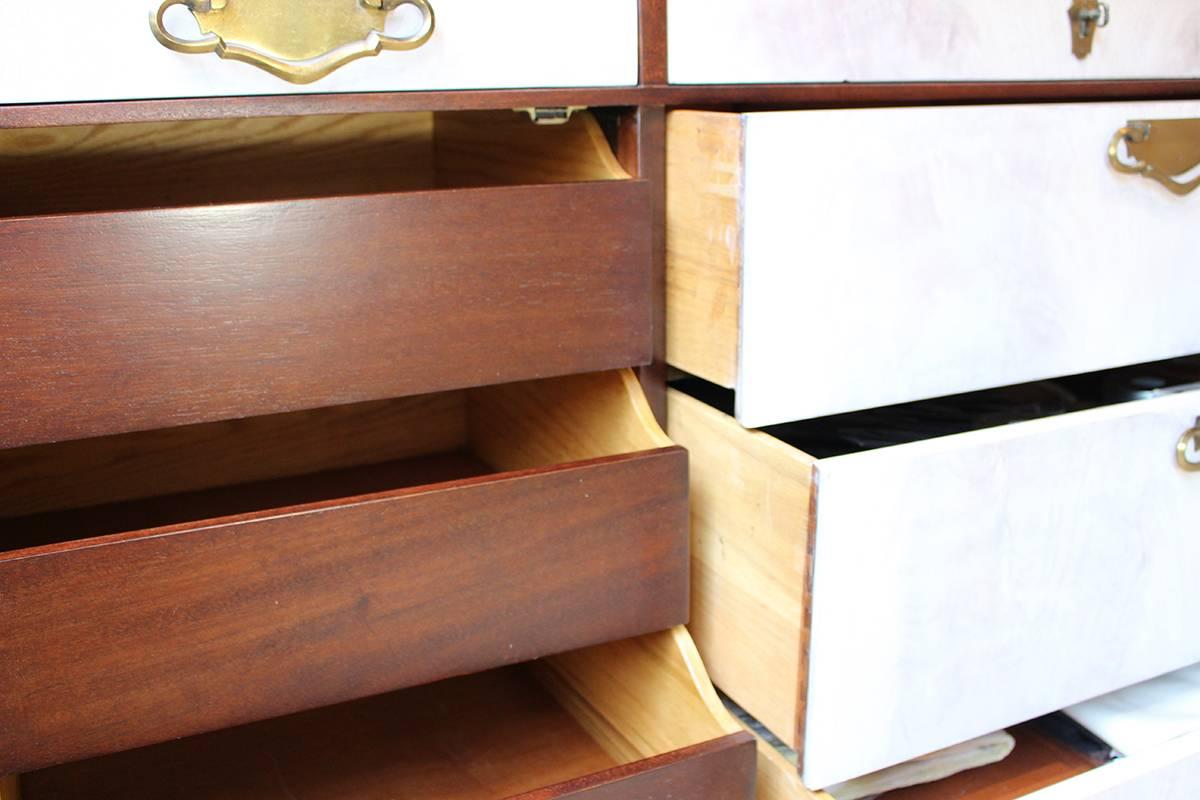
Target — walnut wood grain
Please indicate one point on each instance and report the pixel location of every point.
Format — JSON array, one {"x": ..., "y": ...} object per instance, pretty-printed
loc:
[
  {"x": 142, "y": 637},
  {"x": 642, "y": 148},
  {"x": 652, "y": 41},
  {"x": 171, "y": 461},
  {"x": 118, "y": 322},
  {"x": 802, "y": 95},
  {"x": 721, "y": 769},
  {"x": 481, "y": 737},
  {"x": 1038, "y": 760}
]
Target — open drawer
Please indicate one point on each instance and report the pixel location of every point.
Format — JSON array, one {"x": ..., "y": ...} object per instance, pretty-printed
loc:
[
  {"x": 259, "y": 567},
  {"x": 1050, "y": 760},
  {"x": 825, "y": 261},
  {"x": 631, "y": 719},
  {"x": 168, "y": 274},
  {"x": 882, "y": 602}
]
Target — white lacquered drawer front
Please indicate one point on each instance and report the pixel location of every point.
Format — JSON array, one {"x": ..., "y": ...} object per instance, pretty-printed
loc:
[
  {"x": 828, "y": 261},
  {"x": 814, "y": 41},
  {"x": 967, "y": 583},
  {"x": 107, "y": 51}
]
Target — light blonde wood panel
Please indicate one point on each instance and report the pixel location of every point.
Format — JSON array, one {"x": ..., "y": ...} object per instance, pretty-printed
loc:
[
  {"x": 486, "y": 148},
  {"x": 778, "y": 778},
  {"x": 751, "y": 501},
  {"x": 539, "y": 423},
  {"x": 705, "y": 157},
  {"x": 10, "y": 788},
  {"x": 141, "y": 165},
  {"x": 640, "y": 697},
  {"x": 130, "y": 466}
]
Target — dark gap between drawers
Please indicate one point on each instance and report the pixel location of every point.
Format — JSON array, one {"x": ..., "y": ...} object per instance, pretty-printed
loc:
[{"x": 872, "y": 429}]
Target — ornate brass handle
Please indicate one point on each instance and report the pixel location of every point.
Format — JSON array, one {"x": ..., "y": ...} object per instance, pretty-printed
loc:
[
  {"x": 1186, "y": 442},
  {"x": 298, "y": 40},
  {"x": 1159, "y": 149}
]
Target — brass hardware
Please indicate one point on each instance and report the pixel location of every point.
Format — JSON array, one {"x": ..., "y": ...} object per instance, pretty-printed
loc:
[
  {"x": 1086, "y": 17},
  {"x": 552, "y": 115},
  {"x": 1160, "y": 149},
  {"x": 1189, "y": 439},
  {"x": 298, "y": 40}
]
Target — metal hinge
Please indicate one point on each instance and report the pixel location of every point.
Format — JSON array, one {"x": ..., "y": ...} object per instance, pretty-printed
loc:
[{"x": 550, "y": 115}]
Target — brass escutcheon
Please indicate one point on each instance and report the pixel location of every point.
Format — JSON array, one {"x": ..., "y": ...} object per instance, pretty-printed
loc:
[
  {"x": 299, "y": 41},
  {"x": 1086, "y": 17},
  {"x": 1187, "y": 441},
  {"x": 1161, "y": 149}
]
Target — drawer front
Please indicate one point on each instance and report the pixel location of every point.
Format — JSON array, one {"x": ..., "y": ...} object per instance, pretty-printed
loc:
[
  {"x": 630, "y": 719},
  {"x": 992, "y": 577},
  {"x": 137, "y": 320},
  {"x": 899, "y": 254},
  {"x": 1170, "y": 773},
  {"x": 781, "y": 41},
  {"x": 88, "y": 53}
]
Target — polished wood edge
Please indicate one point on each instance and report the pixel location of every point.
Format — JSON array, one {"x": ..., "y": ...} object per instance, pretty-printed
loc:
[
  {"x": 672, "y": 452},
  {"x": 652, "y": 41},
  {"x": 734, "y": 755},
  {"x": 802, "y": 680},
  {"x": 801, "y": 95},
  {"x": 633, "y": 185},
  {"x": 642, "y": 148}
]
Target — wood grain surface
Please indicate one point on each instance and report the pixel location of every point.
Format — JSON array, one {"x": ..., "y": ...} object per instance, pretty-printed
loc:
[
  {"x": 487, "y": 736},
  {"x": 705, "y": 223},
  {"x": 751, "y": 561},
  {"x": 146, "y": 636},
  {"x": 1037, "y": 761},
  {"x": 757, "y": 96},
  {"x": 480, "y": 737},
  {"x": 129, "y": 321},
  {"x": 722, "y": 769},
  {"x": 170, "y": 461}
]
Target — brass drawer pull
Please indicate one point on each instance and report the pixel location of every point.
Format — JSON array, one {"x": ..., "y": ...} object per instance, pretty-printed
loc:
[
  {"x": 1189, "y": 440},
  {"x": 1159, "y": 149},
  {"x": 298, "y": 40}
]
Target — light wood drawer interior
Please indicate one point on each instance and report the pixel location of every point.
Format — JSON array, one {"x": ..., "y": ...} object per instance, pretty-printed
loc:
[
  {"x": 821, "y": 262},
  {"x": 130, "y": 166},
  {"x": 149, "y": 578},
  {"x": 168, "y": 274},
  {"x": 965, "y": 566},
  {"x": 635, "y": 718}
]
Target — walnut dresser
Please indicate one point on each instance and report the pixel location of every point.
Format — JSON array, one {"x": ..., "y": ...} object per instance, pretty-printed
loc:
[{"x": 335, "y": 409}]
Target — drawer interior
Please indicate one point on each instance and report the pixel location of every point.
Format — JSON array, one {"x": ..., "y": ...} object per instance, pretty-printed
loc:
[
  {"x": 56, "y": 493},
  {"x": 872, "y": 429},
  {"x": 119, "y": 167},
  {"x": 481, "y": 737}
]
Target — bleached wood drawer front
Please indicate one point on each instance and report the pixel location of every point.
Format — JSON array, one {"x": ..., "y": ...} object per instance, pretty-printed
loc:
[
  {"x": 873, "y": 607},
  {"x": 96, "y": 51},
  {"x": 827, "y": 261},
  {"x": 783, "y": 41}
]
